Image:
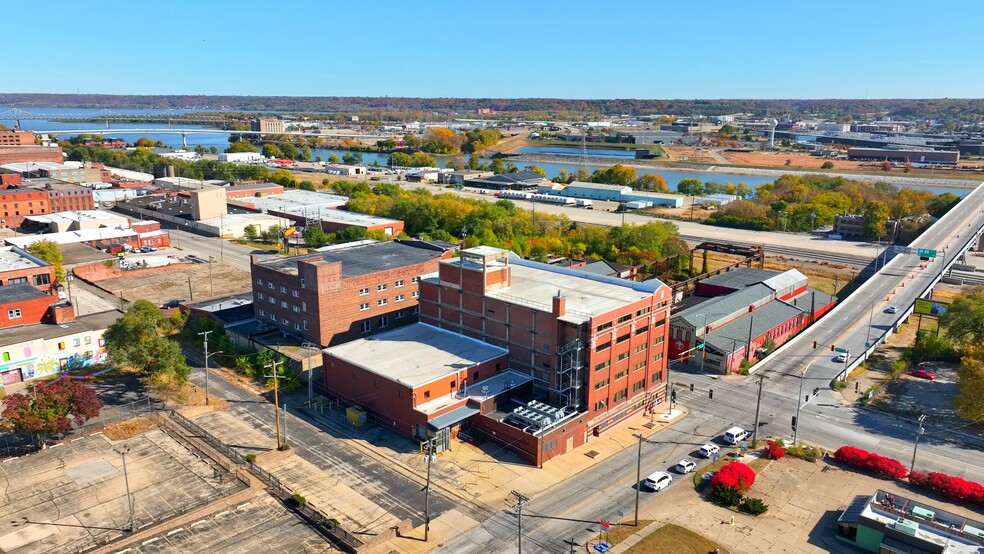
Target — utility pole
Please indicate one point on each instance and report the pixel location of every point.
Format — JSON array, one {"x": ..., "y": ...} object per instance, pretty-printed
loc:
[
  {"x": 520, "y": 499},
  {"x": 205, "y": 342},
  {"x": 427, "y": 490},
  {"x": 758, "y": 405},
  {"x": 276, "y": 399},
  {"x": 799, "y": 402},
  {"x": 915, "y": 446},
  {"x": 211, "y": 291},
  {"x": 638, "y": 477}
]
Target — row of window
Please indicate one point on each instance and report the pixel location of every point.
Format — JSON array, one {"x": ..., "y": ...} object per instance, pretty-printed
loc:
[
  {"x": 62, "y": 345},
  {"x": 383, "y": 321},
  {"x": 384, "y": 301}
]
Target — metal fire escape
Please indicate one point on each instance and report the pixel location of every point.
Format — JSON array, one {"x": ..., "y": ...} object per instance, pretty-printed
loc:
[{"x": 570, "y": 373}]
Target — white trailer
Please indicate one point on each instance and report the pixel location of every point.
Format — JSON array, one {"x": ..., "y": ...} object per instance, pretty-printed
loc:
[
  {"x": 587, "y": 204},
  {"x": 636, "y": 205}
]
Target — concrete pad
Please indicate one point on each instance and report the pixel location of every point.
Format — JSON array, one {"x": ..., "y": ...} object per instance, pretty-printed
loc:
[
  {"x": 91, "y": 471},
  {"x": 26, "y": 535}
]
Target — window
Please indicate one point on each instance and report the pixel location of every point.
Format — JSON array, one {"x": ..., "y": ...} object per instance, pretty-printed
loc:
[
  {"x": 42, "y": 279},
  {"x": 303, "y": 306},
  {"x": 415, "y": 280},
  {"x": 658, "y": 340},
  {"x": 297, "y": 309},
  {"x": 283, "y": 303},
  {"x": 295, "y": 294},
  {"x": 305, "y": 324},
  {"x": 643, "y": 311},
  {"x": 283, "y": 288},
  {"x": 382, "y": 302},
  {"x": 623, "y": 338},
  {"x": 262, "y": 313},
  {"x": 77, "y": 342},
  {"x": 601, "y": 384},
  {"x": 603, "y": 347},
  {"x": 427, "y": 394},
  {"x": 549, "y": 446},
  {"x": 638, "y": 386},
  {"x": 260, "y": 296},
  {"x": 382, "y": 321},
  {"x": 621, "y": 356},
  {"x": 270, "y": 286},
  {"x": 273, "y": 317},
  {"x": 297, "y": 326},
  {"x": 625, "y": 318},
  {"x": 381, "y": 288},
  {"x": 302, "y": 282},
  {"x": 363, "y": 292},
  {"x": 662, "y": 304},
  {"x": 398, "y": 283},
  {"x": 415, "y": 310},
  {"x": 88, "y": 340},
  {"x": 17, "y": 280},
  {"x": 657, "y": 377},
  {"x": 6, "y": 356},
  {"x": 259, "y": 281},
  {"x": 284, "y": 321},
  {"x": 621, "y": 395},
  {"x": 272, "y": 300},
  {"x": 364, "y": 306},
  {"x": 61, "y": 346},
  {"x": 621, "y": 374},
  {"x": 14, "y": 314},
  {"x": 416, "y": 294},
  {"x": 401, "y": 314},
  {"x": 658, "y": 357},
  {"x": 602, "y": 365},
  {"x": 600, "y": 405},
  {"x": 366, "y": 326},
  {"x": 639, "y": 366},
  {"x": 641, "y": 330},
  {"x": 604, "y": 326},
  {"x": 639, "y": 348},
  {"x": 399, "y": 298}
]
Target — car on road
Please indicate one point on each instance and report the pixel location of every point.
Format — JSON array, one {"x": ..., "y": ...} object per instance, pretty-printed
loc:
[
  {"x": 685, "y": 466},
  {"x": 841, "y": 358},
  {"x": 709, "y": 450},
  {"x": 923, "y": 374},
  {"x": 735, "y": 435},
  {"x": 658, "y": 481},
  {"x": 892, "y": 310}
]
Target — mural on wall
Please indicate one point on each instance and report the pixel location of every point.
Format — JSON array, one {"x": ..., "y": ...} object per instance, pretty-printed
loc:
[{"x": 46, "y": 365}]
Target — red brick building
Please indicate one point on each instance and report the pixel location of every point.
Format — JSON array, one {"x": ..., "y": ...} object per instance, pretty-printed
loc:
[
  {"x": 28, "y": 292},
  {"x": 745, "y": 309},
  {"x": 64, "y": 197},
  {"x": 344, "y": 293},
  {"x": 24, "y": 153},
  {"x": 19, "y": 202},
  {"x": 19, "y": 266},
  {"x": 16, "y": 138},
  {"x": 594, "y": 346}
]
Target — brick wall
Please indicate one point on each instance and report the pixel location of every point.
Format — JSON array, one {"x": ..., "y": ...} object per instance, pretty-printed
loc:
[
  {"x": 16, "y": 204},
  {"x": 13, "y": 154},
  {"x": 31, "y": 311},
  {"x": 35, "y": 276}
]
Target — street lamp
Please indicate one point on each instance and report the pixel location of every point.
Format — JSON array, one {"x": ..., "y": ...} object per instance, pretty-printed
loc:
[
  {"x": 211, "y": 291},
  {"x": 915, "y": 446},
  {"x": 123, "y": 450},
  {"x": 639, "y": 474}
]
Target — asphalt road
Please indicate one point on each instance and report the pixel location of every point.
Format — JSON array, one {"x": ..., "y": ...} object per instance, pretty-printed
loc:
[{"x": 400, "y": 496}]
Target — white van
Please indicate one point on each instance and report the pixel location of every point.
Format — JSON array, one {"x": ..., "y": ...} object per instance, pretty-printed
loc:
[{"x": 735, "y": 435}]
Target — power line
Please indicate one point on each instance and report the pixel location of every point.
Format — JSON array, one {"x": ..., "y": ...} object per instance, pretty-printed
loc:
[{"x": 520, "y": 500}]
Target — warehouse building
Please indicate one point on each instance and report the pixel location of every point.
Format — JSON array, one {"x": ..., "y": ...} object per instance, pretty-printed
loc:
[{"x": 905, "y": 155}]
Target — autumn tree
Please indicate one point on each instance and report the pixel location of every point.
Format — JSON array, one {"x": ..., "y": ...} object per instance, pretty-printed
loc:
[
  {"x": 138, "y": 340},
  {"x": 970, "y": 384},
  {"x": 271, "y": 150},
  {"x": 53, "y": 407},
  {"x": 241, "y": 146},
  {"x": 316, "y": 237},
  {"x": 49, "y": 251},
  {"x": 875, "y": 216},
  {"x": 690, "y": 186},
  {"x": 964, "y": 318}
]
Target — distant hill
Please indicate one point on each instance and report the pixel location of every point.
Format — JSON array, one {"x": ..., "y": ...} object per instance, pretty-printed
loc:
[{"x": 945, "y": 109}]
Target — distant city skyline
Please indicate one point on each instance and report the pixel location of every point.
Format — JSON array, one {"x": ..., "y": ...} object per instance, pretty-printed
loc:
[{"x": 505, "y": 49}]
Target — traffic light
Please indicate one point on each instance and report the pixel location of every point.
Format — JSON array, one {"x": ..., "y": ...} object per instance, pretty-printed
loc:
[
  {"x": 816, "y": 391},
  {"x": 857, "y": 386},
  {"x": 700, "y": 346},
  {"x": 691, "y": 387},
  {"x": 710, "y": 393},
  {"x": 807, "y": 399},
  {"x": 814, "y": 345},
  {"x": 794, "y": 423},
  {"x": 831, "y": 348},
  {"x": 673, "y": 396}
]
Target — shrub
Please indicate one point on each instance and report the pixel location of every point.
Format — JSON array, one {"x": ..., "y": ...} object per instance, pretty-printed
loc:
[
  {"x": 250, "y": 458},
  {"x": 727, "y": 496},
  {"x": 299, "y": 499},
  {"x": 754, "y": 506},
  {"x": 775, "y": 448},
  {"x": 734, "y": 475},
  {"x": 953, "y": 488},
  {"x": 869, "y": 461}
]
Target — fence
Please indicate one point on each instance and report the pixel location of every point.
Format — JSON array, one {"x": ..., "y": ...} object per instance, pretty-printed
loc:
[
  {"x": 18, "y": 444},
  {"x": 346, "y": 540}
]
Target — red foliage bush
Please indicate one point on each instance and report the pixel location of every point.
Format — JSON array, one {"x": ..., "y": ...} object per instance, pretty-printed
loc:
[
  {"x": 735, "y": 475},
  {"x": 869, "y": 461},
  {"x": 952, "y": 487},
  {"x": 776, "y": 449}
]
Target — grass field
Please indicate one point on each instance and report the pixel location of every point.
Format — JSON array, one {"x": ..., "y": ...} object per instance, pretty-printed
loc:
[{"x": 676, "y": 539}]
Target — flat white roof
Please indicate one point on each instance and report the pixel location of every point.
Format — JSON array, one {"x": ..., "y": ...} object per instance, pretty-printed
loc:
[
  {"x": 10, "y": 259},
  {"x": 416, "y": 354},
  {"x": 352, "y": 218},
  {"x": 295, "y": 201},
  {"x": 70, "y": 237},
  {"x": 25, "y": 167},
  {"x": 130, "y": 175},
  {"x": 80, "y": 215}
]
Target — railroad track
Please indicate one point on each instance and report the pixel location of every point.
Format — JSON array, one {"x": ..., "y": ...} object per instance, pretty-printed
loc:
[{"x": 798, "y": 253}]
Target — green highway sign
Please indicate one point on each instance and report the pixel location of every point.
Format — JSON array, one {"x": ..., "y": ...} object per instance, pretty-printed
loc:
[
  {"x": 925, "y": 253},
  {"x": 867, "y": 345},
  {"x": 841, "y": 350}
]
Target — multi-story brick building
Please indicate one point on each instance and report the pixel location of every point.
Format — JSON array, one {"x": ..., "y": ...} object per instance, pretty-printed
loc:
[
  {"x": 19, "y": 266},
  {"x": 18, "y": 202},
  {"x": 30, "y": 153},
  {"x": 267, "y": 126},
  {"x": 64, "y": 197},
  {"x": 343, "y": 293},
  {"x": 16, "y": 138},
  {"x": 594, "y": 346}
]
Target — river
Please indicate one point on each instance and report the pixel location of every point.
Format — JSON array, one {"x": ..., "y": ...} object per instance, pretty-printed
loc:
[{"x": 552, "y": 169}]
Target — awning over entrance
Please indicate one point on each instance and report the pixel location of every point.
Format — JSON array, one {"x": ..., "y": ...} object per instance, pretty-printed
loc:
[{"x": 454, "y": 416}]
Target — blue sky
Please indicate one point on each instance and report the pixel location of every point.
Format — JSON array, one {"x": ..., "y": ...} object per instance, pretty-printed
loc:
[{"x": 532, "y": 48}]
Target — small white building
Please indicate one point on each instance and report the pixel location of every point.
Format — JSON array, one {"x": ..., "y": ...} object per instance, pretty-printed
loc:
[
  {"x": 242, "y": 158},
  {"x": 341, "y": 169},
  {"x": 716, "y": 199}
]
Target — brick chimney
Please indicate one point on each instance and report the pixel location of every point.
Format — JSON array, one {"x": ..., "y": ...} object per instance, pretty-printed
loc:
[{"x": 559, "y": 305}]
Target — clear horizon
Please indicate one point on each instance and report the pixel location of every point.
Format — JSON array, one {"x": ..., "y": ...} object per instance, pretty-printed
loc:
[{"x": 572, "y": 50}]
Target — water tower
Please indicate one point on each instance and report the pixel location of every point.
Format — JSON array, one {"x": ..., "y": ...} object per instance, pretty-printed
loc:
[{"x": 772, "y": 132}]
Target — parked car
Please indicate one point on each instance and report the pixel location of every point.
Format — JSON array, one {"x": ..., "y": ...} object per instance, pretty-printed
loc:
[
  {"x": 685, "y": 466},
  {"x": 892, "y": 309},
  {"x": 658, "y": 481},
  {"x": 841, "y": 358},
  {"x": 709, "y": 450},
  {"x": 923, "y": 374},
  {"x": 171, "y": 304},
  {"x": 735, "y": 435}
]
